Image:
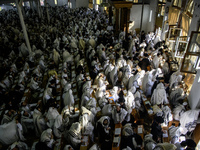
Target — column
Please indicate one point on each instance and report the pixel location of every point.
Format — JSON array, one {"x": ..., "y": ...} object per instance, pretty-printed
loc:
[
  {"x": 48, "y": 18},
  {"x": 110, "y": 14},
  {"x": 117, "y": 20},
  {"x": 23, "y": 26},
  {"x": 31, "y": 5}
]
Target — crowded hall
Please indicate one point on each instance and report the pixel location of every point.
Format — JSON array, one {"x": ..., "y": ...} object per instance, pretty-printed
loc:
[{"x": 100, "y": 74}]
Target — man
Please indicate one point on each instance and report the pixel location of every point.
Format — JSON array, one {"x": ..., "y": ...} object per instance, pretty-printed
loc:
[
  {"x": 8, "y": 116},
  {"x": 118, "y": 114},
  {"x": 145, "y": 63},
  {"x": 74, "y": 135},
  {"x": 104, "y": 132},
  {"x": 47, "y": 138},
  {"x": 159, "y": 95},
  {"x": 156, "y": 129}
]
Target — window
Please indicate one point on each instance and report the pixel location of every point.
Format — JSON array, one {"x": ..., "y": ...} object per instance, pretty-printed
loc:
[
  {"x": 162, "y": 1},
  {"x": 161, "y": 10},
  {"x": 150, "y": 16},
  {"x": 55, "y": 2},
  {"x": 191, "y": 60},
  {"x": 98, "y": 2},
  {"x": 42, "y": 2}
]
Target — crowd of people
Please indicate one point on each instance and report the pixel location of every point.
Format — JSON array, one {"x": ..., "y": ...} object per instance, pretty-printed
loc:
[{"x": 113, "y": 74}]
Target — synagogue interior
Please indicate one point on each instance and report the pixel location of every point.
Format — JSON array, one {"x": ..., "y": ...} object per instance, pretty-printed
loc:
[{"x": 100, "y": 74}]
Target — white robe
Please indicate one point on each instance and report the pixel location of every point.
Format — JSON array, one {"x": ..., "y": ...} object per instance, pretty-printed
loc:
[
  {"x": 118, "y": 117},
  {"x": 159, "y": 95},
  {"x": 68, "y": 98},
  {"x": 188, "y": 120},
  {"x": 57, "y": 125},
  {"x": 39, "y": 122},
  {"x": 9, "y": 133}
]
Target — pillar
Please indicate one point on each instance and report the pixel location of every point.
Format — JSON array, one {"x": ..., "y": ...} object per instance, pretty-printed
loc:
[
  {"x": 47, "y": 11},
  {"x": 23, "y": 26},
  {"x": 117, "y": 20},
  {"x": 110, "y": 14}
]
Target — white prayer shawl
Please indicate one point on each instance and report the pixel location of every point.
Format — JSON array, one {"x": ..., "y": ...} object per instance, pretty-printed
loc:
[
  {"x": 130, "y": 82},
  {"x": 178, "y": 111},
  {"x": 8, "y": 133},
  {"x": 39, "y": 122},
  {"x": 118, "y": 117},
  {"x": 34, "y": 85},
  {"x": 102, "y": 101},
  {"x": 159, "y": 95},
  {"x": 86, "y": 86},
  {"x": 126, "y": 79},
  {"x": 6, "y": 119},
  {"x": 51, "y": 116},
  {"x": 101, "y": 120},
  {"x": 75, "y": 130},
  {"x": 188, "y": 120},
  {"x": 81, "y": 44},
  {"x": 149, "y": 143},
  {"x": 24, "y": 50},
  {"x": 27, "y": 122},
  {"x": 57, "y": 124},
  {"x": 114, "y": 93},
  {"x": 68, "y": 98},
  {"x": 47, "y": 95},
  {"x": 141, "y": 76},
  {"x": 165, "y": 146},
  {"x": 167, "y": 114},
  {"x": 109, "y": 69},
  {"x": 67, "y": 147},
  {"x": 147, "y": 83},
  {"x": 56, "y": 56},
  {"x": 121, "y": 62},
  {"x": 85, "y": 98},
  {"x": 157, "y": 39},
  {"x": 107, "y": 110},
  {"x": 173, "y": 133},
  {"x": 113, "y": 76},
  {"x": 46, "y": 137},
  {"x": 91, "y": 103},
  {"x": 129, "y": 102},
  {"x": 156, "y": 61},
  {"x": 175, "y": 78},
  {"x": 92, "y": 42},
  {"x": 165, "y": 68},
  {"x": 63, "y": 82}
]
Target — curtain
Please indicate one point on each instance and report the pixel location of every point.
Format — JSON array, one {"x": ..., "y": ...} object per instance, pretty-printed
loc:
[
  {"x": 173, "y": 15},
  {"x": 185, "y": 24}
]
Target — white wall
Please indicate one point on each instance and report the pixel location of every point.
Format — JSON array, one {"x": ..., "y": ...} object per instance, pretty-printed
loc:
[
  {"x": 82, "y": 3},
  {"x": 135, "y": 16},
  {"x": 194, "y": 96},
  {"x": 196, "y": 17}
]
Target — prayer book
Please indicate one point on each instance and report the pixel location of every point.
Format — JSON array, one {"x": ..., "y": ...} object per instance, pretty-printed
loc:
[{"x": 117, "y": 131}]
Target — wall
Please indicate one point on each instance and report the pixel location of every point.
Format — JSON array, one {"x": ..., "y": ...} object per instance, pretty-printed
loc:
[
  {"x": 62, "y": 2},
  {"x": 51, "y": 3},
  {"x": 135, "y": 16},
  {"x": 196, "y": 17},
  {"x": 194, "y": 96},
  {"x": 82, "y": 3}
]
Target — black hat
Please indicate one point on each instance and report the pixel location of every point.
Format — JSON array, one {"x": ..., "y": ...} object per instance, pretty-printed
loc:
[
  {"x": 159, "y": 119},
  {"x": 191, "y": 143}
]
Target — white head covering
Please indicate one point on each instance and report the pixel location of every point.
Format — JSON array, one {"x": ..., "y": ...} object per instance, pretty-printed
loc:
[
  {"x": 58, "y": 121},
  {"x": 46, "y": 135}
]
